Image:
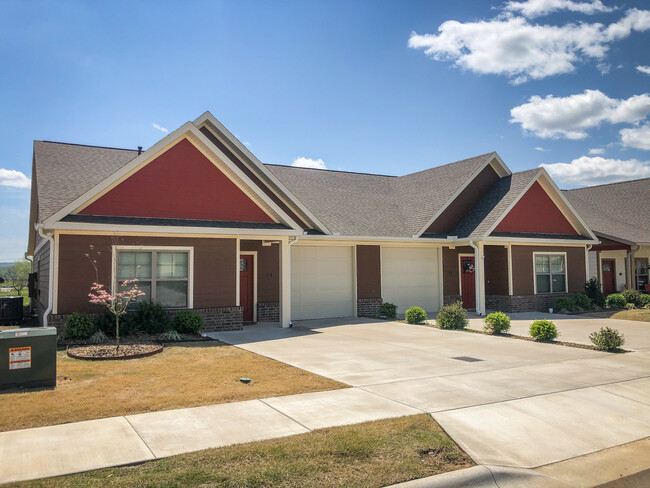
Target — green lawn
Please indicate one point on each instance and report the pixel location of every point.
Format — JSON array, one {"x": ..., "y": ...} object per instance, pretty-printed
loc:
[{"x": 372, "y": 454}]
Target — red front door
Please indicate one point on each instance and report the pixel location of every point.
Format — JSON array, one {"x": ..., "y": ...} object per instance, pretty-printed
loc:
[
  {"x": 467, "y": 282},
  {"x": 246, "y": 286},
  {"x": 609, "y": 276}
]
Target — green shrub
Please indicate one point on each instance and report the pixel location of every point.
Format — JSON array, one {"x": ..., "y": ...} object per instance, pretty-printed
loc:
[
  {"x": 632, "y": 296},
  {"x": 452, "y": 316},
  {"x": 616, "y": 300},
  {"x": 98, "y": 338},
  {"x": 644, "y": 301},
  {"x": 106, "y": 323},
  {"x": 565, "y": 303},
  {"x": 188, "y": 322},
  {"x": 151, "y": 318},
  {"x": 543, "y": 330},
  {"x": 415, "y": 315},
  {"x": 388, "y": 310},
  {"x": 629, "y": 306},
  {"x": 78, "y": 326},
  {"x": 594, "y": 291},
  {"x": 583, "y": 301},
  {"x": 607, "y": 339},
  {"x": 496, "y": 323},
  {"x": 170, "y": 336}
]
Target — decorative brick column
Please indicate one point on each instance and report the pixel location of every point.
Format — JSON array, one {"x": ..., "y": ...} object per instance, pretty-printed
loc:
[
  {"x": 368, "y": 307},
  {"x": 449, "y": 299},
  {"x": 523, "y": 303},
  {"x": 268, "y": 312}
]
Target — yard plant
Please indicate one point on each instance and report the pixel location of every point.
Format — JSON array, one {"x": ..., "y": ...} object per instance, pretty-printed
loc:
[
  {"x": 594, "y": 291},
  {"x": 452, "y": 316},
  {"x": 416, "y": 315},
  {"x": 543, "y": 330},
  {"x": 565, "y": 304},
  {"x": 632, "y": 296},
  {"x": 188, "y": 322},
  {"x": 607, "y": 339},
  {"x": 616, "y": 300},
  {"x": 496, "y": 323},
  {"x": 388, "y": 310},
  {"x": 79, "y": 326}
]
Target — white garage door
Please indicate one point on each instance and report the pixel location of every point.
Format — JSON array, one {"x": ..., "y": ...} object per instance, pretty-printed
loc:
[
  {"x": 322, "y": 284},
  {"x": 410, "y": 278}
]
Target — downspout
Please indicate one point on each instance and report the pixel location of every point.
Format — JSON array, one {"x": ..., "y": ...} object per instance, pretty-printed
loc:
[
  {"x": 477, "y": 280},
  {"x": 50, "y": 291},
  {"x": 291, "y": 243},
  {"x": 589, "y": 246},
  {"x": 629, "y": 257}
]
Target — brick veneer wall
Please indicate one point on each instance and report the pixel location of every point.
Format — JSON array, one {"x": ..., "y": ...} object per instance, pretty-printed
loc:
[
  {"x": 368, "y": 307},
  {"x": 449, "y": 299},
  {"x": 522, "y": 303},
  {"x": 214, "y": 319},
  {"x": 268, "y": 312}
]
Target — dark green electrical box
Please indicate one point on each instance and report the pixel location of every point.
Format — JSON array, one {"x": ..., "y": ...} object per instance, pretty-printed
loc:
[{"x": 28, "y": 357}]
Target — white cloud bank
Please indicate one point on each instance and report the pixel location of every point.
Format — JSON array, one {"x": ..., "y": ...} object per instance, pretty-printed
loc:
[
  {"x": 569, "y": 117},
  {"x": 303, "y": 162},
  {"x": 588, "y": 170},
  {"x": 537, "y": 8},
  {"x": 596, "y": 151},
  {"x": 13, "y": 178},
  {"x": 637, "y": 137},
  {"x": 160, "y": 128},
  {"x": 513, "y": 47},
  {"x": 644, "y": 69}
]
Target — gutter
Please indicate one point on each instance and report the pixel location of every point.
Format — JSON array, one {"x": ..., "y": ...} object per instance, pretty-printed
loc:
[
  {"x": 477, "y": 280},
  {"x": 50, "y": 291}
]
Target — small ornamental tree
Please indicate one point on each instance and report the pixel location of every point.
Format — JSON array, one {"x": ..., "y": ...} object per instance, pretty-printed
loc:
[{"x": 116, "y": 303}]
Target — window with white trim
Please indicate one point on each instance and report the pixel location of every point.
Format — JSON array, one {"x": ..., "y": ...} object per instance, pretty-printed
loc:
[
  {"x": 550, "y": 273},
  {"x": 162, "y": 275}
]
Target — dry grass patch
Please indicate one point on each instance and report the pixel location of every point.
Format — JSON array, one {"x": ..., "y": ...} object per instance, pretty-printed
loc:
[
  {"x": 371, "y": 454},
  {"x": 640, "y": 315},
  {"x": 183, "y": 375}
]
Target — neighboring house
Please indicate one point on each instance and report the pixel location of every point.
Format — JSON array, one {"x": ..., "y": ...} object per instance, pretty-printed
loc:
[
  {"x": 203, "y": 224},
  {"x": 619, "y": 215}
]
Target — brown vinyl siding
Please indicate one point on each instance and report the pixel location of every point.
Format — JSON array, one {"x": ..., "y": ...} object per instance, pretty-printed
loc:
[
  {"x": 450, "y": 268},
  {"x": 496, "y": 270},
  {"x": 464, "y": 202},
  {"x": 268, "y": 269},
  {"x": 214, "y": 268},
  {"x": 42, "y": 268},
  {"x": 523, "y": 267},
  {"x": 368, "y": 272}
]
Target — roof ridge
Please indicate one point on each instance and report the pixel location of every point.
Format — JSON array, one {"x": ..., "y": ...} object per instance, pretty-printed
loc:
[
  {"x": 449, "y": 164},
  {"x": 330, "y": 170},
  {"x": 89, "y": 145},
  {"x": 608, "y": 184}
]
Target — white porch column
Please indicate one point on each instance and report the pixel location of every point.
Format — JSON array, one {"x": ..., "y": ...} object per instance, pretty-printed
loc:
[
  {"x": 510, "y": 282},
  {"x": 285, "y": 282},
  {"x": 480, "y": 305}
]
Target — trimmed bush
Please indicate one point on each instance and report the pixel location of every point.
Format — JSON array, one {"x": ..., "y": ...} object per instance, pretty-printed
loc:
[
  {"x": 388, "y": 310},
  {"x": 415, "y": 315},
  {"x": 583, "y": 301},
  {"x": 607, "y": 339},
  {"x": 565, "y": 304},
  {"x": 594, "y": 291},
  {"x": 452, "y": 316},
  {"x": 106, "y": 323},
  {"x": 616, "y": 300},
  {"x": 188, "y": 322},
  {"x": 151, "y": 318},
  {"x": 543, "y": 330},
  {"x": 496, "y": 323},
  {"x": 629, "y": 306},
  {"x": 644, "y": 301},
  {"x": 632, "y": 296},
  {"x": 78, "y": 326}
]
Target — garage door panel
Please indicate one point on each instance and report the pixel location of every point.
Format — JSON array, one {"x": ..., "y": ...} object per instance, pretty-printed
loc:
[
  {"x": 410, "y": 278},
  {"x": 322, "y": 284}
]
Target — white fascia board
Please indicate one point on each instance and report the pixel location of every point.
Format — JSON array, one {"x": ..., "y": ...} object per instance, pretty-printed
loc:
[
  {"x": 532, "y": 240},
  {"x": 164, "y": 229},
  {"x": 409, "y": 240},
  {"x": 502, "y": 174},
  {"x": 208, "y": 117}
]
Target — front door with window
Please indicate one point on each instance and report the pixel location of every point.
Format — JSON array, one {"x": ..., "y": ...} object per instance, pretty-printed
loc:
[
  {"x": 609, "y": 276},
  {"x": 246, "y": 287},
  {"x": 467, "y": 282}
]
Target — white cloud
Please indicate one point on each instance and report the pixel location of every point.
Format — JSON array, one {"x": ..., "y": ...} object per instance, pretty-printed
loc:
[
  {"x": 160, "y": 128},
  {"x": 537, "y": 8},
  {"x": 540, "y": 149},
  {"x": 595, "y": 151},
  {"x": 569, "y": 117},
  {"x": 11, "y": 177},
  {"x": 644, "y": 69},
  {"x": 597, "y": 170},
  {"x": 637, "y": 137},
  {"x": 520, "y": 50},
  {"x": 303, "y": 162}
]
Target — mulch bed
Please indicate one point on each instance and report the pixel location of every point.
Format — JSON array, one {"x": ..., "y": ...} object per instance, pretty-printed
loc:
[
  {"x": 64, "y": 344},
  {"x": 101, "y": 352}
]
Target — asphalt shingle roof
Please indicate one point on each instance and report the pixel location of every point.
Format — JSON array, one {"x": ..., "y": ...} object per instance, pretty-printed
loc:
[{"x": 618, "y": 210}]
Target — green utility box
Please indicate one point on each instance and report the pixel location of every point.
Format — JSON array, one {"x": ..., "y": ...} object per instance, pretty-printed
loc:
[{"x": 28, "y": 357}]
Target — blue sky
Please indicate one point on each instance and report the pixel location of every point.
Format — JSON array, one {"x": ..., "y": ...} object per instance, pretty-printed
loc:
[{"x": 381, "y": 87}]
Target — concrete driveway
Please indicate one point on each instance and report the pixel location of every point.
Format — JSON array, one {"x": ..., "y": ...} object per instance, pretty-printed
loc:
[{"x": 505, "y": 401}]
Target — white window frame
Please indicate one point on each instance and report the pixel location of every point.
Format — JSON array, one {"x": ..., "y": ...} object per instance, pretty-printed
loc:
[
  {"x": 190, "y": 266},
  {"x": 566, "y": 272}
]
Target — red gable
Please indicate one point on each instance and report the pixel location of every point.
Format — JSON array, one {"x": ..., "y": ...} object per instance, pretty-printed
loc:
[
  {"x": 536, "y": 213},
  {"x": 182, "y": 184}
]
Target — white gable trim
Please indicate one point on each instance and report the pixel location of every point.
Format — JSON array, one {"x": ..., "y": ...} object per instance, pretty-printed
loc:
[
  {"x": 208, "y": 117},
  {"x": 500, "y": 165},
  {"x": 189, "y": 131}
]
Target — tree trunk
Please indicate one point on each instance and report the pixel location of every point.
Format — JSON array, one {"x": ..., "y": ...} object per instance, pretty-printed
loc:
[{"x": 117, "y": 332}]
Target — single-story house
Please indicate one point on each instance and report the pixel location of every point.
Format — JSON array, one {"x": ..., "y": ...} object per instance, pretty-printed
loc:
[
  {"x": 203, "y": 224},
  {"x": 619, "y": 215}
]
